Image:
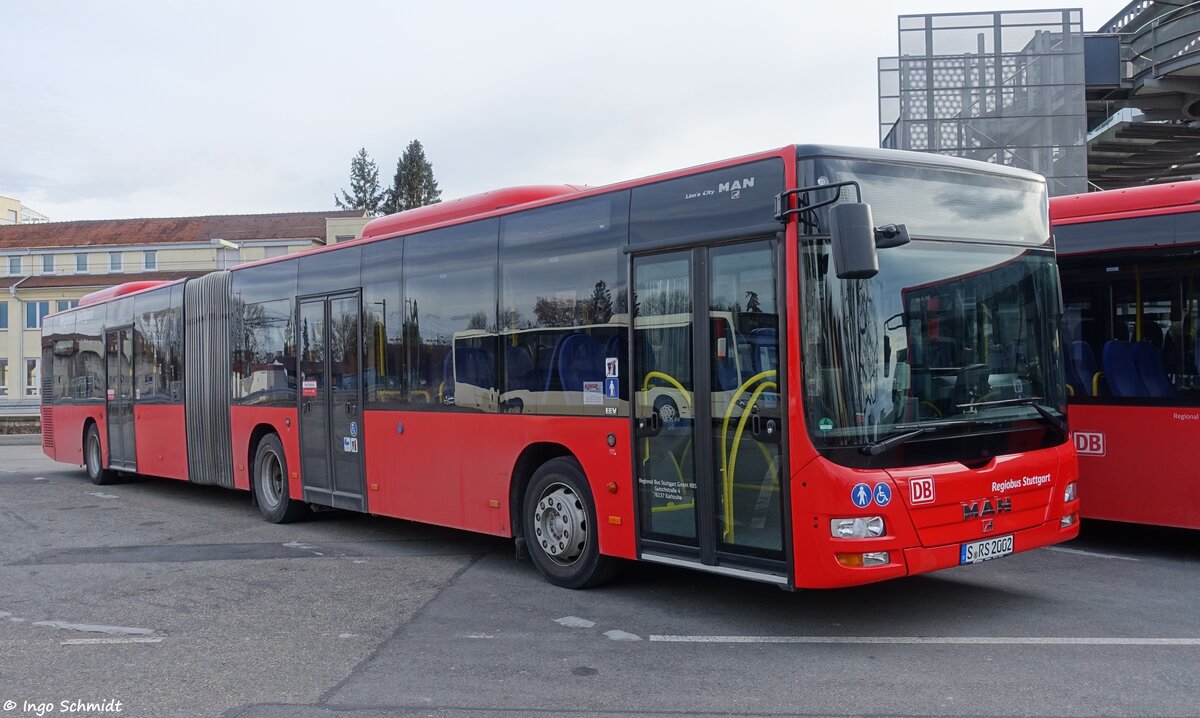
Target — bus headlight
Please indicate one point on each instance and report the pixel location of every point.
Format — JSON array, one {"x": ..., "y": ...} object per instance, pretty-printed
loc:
[
  {"x": 861, "y": 527},
  {"x": 1070, "y": 493}
]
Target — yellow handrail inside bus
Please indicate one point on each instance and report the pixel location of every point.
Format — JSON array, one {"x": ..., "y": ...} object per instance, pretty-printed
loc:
[
  {"x": 727, "y": 480},
  {"x": 726, "y": 477}
]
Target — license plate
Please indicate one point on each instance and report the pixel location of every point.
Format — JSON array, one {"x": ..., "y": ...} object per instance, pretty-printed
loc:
[{"x": 987, "y": 549}]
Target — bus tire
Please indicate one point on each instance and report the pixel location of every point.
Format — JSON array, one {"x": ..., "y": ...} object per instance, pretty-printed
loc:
[
  {"x": 271, "y": 483},
  {"x": 558, "y": 520},
  {"x": 93, "y": 458}
]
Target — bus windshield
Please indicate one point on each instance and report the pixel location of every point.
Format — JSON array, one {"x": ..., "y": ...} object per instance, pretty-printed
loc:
[{"x": 951, "y": 337}]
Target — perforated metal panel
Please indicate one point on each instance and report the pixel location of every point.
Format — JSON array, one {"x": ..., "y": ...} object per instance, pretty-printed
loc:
[{"x": 206, "y": 306}]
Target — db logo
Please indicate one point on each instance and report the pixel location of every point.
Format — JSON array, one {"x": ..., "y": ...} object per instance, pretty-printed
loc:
[
  {"x": 1089, "y": 443},
  {"x": 920, "y": 491}
]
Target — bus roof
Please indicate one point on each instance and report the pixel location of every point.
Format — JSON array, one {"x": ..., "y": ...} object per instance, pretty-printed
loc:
[
  {"x": 120, "y": 290},
  {"x": 1132, "y": 201},
  {"x": 464, "y": 207}
]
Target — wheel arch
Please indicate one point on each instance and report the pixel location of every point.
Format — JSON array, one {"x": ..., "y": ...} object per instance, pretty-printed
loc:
[
  {"x": 88, "y": 423},
  {"x": 532, "y": 457},
  {"x": 260, "y": 430}
]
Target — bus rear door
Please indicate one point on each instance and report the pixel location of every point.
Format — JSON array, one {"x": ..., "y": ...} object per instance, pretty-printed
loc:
[{"x": 119, "y": 399}]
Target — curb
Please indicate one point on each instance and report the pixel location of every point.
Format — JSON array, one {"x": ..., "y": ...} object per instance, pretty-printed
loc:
[{"x": 20, "y": 439}]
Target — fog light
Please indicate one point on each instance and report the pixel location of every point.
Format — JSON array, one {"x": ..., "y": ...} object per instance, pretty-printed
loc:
[
  {"x": 1070, "y": 493},
  {"x": 861, "y": 527},
  {"x": 1067, "y": 521},
  {"x": 875, "y": 558}
]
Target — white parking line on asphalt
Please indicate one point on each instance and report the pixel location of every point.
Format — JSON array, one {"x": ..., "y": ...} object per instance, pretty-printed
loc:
[
  {"x": 1093, "y": 554},
  {"x": 95, "y": 641},
  {"x": 937, "y": 640}
]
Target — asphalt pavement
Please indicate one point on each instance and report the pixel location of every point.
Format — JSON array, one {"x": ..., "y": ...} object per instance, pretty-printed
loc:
[{"x": 178, "y": 600}]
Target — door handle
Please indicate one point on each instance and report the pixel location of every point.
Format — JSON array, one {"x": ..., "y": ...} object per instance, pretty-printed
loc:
[
  {"x": 351, "y": 408},
  {"x": 307, "y": 406}
]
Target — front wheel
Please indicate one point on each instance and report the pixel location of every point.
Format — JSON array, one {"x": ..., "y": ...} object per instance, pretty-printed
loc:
[
  {"x": 93, "y": 459},
  {"x": 559, "y": 523},
  {"x": 271, "y": 483}
]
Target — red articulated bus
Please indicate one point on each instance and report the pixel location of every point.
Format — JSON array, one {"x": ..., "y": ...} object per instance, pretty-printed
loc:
[
  {"x": 1130, "y": 264},
  {"x": 814, "y": 367}
]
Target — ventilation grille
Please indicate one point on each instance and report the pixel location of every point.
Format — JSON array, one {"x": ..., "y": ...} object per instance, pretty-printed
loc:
[
  {"x": 47, "y": 426},
  {"x": 206, "y": 304}
]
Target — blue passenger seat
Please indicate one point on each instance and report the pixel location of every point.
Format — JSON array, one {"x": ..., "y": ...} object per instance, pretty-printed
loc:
[
  {"x": 1148, "y": 360},
  {"x": 1083, "y": 368},
  {"x": 1121, "y": 370},
  {"x": 580, "y": 359}
]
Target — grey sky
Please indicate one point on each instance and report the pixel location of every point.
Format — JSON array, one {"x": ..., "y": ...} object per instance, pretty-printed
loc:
[{"x": 159, "y": 108}]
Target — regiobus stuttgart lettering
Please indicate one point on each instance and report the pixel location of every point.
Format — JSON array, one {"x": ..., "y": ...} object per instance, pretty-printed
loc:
[{"x": 1022, "y": 483}]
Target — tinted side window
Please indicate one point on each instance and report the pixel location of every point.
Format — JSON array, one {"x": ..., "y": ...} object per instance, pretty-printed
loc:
[
  {"x": 730, "y": 201},
  {"x": 564, "y": 304},
  {"x": 449, "y": 318},
  {"x": 262, "y": 334},
  {"x": 383, "y": 322},
  {"x": 118, "y": 313},
  {"x": 151, "y": 345},
  {"x": 60, "y": 349},
  {"x": 330, "y": 271},
  {"x": 87, "y": 378}
]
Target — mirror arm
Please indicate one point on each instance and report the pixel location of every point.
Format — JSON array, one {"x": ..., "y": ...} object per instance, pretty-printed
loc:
[{"x": 781, "y": 200}]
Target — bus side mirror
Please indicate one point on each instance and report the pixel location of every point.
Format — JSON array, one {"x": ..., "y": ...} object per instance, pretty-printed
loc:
[{"x": 853, "y": 236}]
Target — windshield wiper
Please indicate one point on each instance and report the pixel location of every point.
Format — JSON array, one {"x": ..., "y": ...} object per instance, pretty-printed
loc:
[
  {"x": 875, "y": 448},
  {"x": 1032, "y": 401}
]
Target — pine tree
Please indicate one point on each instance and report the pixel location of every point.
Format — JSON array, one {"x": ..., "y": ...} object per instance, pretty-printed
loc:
[
  {"x": 366, "y": 193},
  {"x": 413, "y": 185}
]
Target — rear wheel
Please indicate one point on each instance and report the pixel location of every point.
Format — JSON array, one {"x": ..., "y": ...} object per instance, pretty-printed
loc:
[
  {"x": 93, "y": 458},
  {"x": 559, "y": 523},
  {"x": 271, "y": 483}
]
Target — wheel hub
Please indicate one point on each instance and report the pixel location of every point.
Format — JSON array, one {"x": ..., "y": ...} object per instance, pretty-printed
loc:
[{"x": 561, "y": 524}]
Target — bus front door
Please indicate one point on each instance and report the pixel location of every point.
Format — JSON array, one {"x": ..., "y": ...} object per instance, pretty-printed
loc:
[
  {"x": 707, "y": 412},
  {"x": 329, "y": 341},
  {"x": 119, "y": 398}
]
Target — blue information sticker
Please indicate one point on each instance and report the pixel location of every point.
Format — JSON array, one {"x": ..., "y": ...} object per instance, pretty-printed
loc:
[
  {"x": 354, "y": 428},
  {"x": 883, "y": 494},
  {"x": 861, "y": 495},
  {"x": 612, "y": 388}
]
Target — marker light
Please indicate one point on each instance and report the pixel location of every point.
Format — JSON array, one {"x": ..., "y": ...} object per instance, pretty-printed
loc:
[
  {"x": 861, "y": 527},
  {"x": 1070, "y": 493},
  {"x": 1067, "y": 521}
]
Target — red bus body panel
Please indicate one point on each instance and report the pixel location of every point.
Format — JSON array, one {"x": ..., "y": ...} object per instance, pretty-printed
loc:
[
  {"x": 417, "y": 471},
  {"x": 69, "y": 420},
  {"x": 161, "y": 440},
  {"x": 243, "y": 420},
  {"x": 1134, "y": 463}
]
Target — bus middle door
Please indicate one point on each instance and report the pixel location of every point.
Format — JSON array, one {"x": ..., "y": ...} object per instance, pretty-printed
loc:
[{"x": 330, "y": 374}]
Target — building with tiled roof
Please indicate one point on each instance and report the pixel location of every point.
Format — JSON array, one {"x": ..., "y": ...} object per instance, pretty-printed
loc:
[{"x": 47, "y": 267}]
